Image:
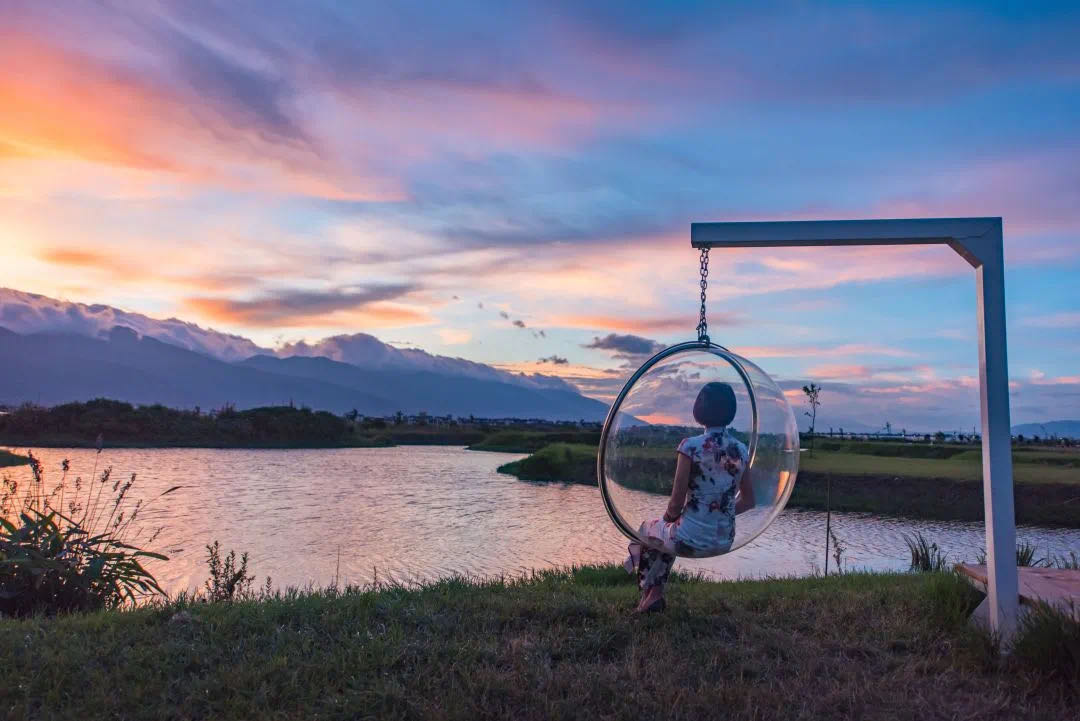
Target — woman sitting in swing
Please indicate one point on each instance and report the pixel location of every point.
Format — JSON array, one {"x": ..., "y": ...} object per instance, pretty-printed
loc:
[{"x": 710, "y": 488}]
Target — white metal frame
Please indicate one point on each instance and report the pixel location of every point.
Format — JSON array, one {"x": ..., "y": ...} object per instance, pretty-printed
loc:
[{"x": 979, "y": 241}]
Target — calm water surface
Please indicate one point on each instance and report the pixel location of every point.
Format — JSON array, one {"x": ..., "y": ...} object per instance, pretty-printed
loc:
[{"x": 419, "y": 513}]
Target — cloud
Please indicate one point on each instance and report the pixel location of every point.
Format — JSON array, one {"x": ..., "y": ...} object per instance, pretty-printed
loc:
[
  {"x": 815, "y": 351},
  {"x": 555, "y": 359},
  {"x": 839, "y": 371},
  {"x": 31, "y": 313},
  {"x": 1066, "y": 319},
  {"x": 637, "y": 325},
  {"x": 303, "y": 307},
  {"x": 625, "y": 345},
  {"x": 454, "y": 336}
]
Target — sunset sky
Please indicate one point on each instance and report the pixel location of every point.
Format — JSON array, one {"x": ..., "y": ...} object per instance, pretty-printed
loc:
[{"x": 514, "y": 183}]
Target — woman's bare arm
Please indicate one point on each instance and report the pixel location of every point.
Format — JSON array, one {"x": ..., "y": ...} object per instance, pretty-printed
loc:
[
  {"x": 678, "y": 490},
  {"x": 746, "y": 493}
]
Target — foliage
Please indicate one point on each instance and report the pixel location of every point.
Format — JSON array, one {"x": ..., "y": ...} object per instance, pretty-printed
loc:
[
  {"x": 228, "y": 580},
  {"x": 66, "y": 548},
  {"x": 925, "y": 555},
  {"x": 1048, "y": 639},
  {"x": 76, "y": 424}
]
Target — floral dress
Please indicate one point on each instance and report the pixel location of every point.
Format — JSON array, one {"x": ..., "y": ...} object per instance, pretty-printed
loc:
[{"x": 706, "y": 526}]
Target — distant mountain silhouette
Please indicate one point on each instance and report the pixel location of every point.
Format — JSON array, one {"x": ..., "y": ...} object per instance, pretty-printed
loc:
[
  {"x": 30, "y": 313},
  {"x": 56, "y": 368},
  {"x": 1061, "y": 429},
  {"x": 440, "y": 394},
  {"x": 51, "y": 368}
]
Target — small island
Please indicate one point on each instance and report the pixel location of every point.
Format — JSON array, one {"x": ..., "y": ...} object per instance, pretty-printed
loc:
[{"x": 939, "y": 480}]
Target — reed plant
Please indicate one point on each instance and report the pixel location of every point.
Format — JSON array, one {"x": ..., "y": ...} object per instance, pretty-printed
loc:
[
  {"x": 71, "y": 546},
  {"x": 1026, "y": 555},
  {"x": 925, "y": 554}
]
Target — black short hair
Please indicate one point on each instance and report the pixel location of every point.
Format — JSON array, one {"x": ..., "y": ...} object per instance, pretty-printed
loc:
[{"x": 715, "y": 405}]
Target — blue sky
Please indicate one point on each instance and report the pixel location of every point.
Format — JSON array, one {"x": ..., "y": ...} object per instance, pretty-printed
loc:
[{"x": 292, "y": 171}]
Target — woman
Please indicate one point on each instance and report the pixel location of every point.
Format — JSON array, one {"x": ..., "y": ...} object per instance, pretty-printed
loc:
[{"x": 710, "y": 488}]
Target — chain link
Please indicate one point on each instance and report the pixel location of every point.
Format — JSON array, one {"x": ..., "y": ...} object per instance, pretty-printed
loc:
[{"x": 703, "y": 325}]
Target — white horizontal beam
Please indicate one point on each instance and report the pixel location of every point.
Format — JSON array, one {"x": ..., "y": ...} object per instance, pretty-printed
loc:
[{"x": 957, "y": 232}]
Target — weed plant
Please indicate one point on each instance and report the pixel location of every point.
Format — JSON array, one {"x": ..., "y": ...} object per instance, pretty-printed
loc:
[{"x": 69, "y": 547}]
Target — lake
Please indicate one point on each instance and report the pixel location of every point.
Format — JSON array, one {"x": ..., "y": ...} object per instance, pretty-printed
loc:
[{"x": 414, "y": 513}]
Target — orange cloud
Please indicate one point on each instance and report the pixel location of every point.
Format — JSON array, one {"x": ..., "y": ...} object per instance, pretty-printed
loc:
[
  {"x": 839, "y": 371},
  {"x": 629, "y": 325},
  {"x": 272, "y": 313},
  {"x": 55, "y": 103}
]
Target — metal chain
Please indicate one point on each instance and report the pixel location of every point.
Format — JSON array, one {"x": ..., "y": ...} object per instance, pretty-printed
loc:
[{"x": 703, "y": 325}]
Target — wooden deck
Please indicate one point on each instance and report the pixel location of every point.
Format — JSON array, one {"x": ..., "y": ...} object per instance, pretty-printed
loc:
[{"x": 1059, "y": 587}]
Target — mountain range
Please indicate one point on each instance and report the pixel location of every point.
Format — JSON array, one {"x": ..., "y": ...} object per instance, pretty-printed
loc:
[
  {"x": 1061, "y": 429},
  {"x": 53, "y": 352}
]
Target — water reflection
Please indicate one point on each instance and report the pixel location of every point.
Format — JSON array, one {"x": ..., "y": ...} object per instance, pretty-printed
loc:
[{"x": 418, "y": 513}]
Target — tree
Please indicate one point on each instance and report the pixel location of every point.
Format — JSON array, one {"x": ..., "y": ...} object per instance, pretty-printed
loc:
[{"x": 812, "y": 392}]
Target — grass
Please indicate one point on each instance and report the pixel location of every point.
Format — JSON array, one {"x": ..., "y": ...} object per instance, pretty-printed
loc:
[
  {"x": 555, "y": 645},
  {"x": 7, "y": 458},
  {"x": 1027, "y": 468},
  {"x": 1047, "y": 494}
]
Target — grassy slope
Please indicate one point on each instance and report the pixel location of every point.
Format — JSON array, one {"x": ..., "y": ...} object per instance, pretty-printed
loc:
[
  {"x": 7, "y": 458},
  {"x": 1047, "y": 493},
  {"x": 557, "y": 646},
  {"x": 964, "y": 468}
]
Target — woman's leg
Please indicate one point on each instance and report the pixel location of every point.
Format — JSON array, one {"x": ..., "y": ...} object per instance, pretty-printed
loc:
[{"x": 653, "y": 570}]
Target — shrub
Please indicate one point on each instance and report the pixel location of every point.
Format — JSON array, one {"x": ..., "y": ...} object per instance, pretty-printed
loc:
[
  {"x": 66, "y": 549},
  {"x": 228, "y": 581}
]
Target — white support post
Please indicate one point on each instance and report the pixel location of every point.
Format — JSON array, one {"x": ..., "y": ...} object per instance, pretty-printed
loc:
[
  {"x": 979, "y": 241},
  {"x": 1002, "y": 591}
]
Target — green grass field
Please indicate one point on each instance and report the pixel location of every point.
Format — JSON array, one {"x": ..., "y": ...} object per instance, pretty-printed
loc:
[
  {"x": 1027, "y": 468},
  {"x": 947, "y": 487},
  {"x": 556, "y": 646}
]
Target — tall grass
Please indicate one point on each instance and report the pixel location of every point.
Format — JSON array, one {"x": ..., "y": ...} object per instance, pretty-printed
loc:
[
  {"x": 925, "y": 555},
  {"x": 1026, "y": 556},
  {"x": 69, "y": 547},
  {"x": 1048, "y": 640}
]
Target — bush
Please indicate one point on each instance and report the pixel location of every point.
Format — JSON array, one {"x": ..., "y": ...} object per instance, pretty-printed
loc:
[{"x": 66, "y": 549}]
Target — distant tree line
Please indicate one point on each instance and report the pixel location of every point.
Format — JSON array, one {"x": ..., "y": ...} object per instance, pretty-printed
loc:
[{"x": 119, "y": 423}]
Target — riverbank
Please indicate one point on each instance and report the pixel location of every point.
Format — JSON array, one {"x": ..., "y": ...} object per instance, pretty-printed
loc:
[
  {"x": 113, "y": 424},
  {"x": 556, "y": 645},
  {"x": 948, "y": 489}
]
